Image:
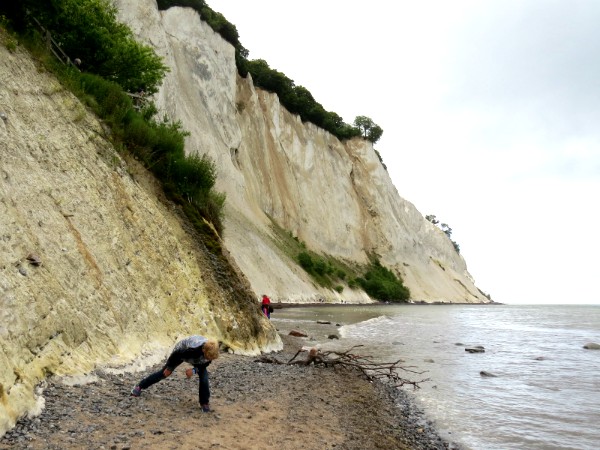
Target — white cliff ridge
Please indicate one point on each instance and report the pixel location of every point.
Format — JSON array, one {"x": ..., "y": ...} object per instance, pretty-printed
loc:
[
  {"x": 334, "y": 196},
  {"x": 97, "y": 268}
]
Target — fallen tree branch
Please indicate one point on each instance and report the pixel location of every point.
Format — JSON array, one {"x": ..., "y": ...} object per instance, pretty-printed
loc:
[{"x": 370, "y": 369}]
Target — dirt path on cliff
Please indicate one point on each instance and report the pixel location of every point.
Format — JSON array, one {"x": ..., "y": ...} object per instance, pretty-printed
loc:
[{"x": 256, "y": 406}]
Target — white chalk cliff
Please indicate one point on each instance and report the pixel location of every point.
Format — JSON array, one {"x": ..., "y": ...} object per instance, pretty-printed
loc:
[
  {"x": 334, "y": 196},
  {"x": 97, "y": 268}
]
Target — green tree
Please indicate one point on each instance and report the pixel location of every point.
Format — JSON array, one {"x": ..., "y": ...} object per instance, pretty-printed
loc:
[
  {"x": 368, "y": 129},
  {"x": 432, "y": 219},
  {"x": 375, "y": 134},
  {"x": 446, "y": 229}
]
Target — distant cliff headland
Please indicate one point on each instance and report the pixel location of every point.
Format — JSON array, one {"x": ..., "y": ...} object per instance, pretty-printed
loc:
[{"x": 159, "y": 192}]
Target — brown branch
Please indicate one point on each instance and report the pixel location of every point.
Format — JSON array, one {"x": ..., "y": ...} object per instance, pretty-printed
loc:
[{"x": 369, "y": 368}]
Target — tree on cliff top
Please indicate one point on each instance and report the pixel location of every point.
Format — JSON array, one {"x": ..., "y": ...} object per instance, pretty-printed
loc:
[
  {"x": 445, "y": 228},
  {"x": 369, "y": 130}
]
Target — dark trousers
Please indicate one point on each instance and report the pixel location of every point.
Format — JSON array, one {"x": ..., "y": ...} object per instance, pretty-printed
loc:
[{"x": 203, "y": 389}]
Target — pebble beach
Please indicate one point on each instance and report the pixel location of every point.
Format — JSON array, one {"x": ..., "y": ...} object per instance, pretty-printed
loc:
[{"x": 255, "y": 405}]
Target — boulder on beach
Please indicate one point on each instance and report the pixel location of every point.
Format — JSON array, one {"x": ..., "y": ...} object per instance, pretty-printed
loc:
[
  {"x": 298, "y": 333},
  {"x": 484, "y": 373},
  {"x": 592, "y": 346},
  {"x": 476, "y": 349}
]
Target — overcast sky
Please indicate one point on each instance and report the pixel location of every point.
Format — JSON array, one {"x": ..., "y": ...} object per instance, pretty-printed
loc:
[{"x": 491, "y": 119}]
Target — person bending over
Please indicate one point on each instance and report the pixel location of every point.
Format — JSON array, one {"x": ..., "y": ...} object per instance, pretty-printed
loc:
[{"x": 195, "y": 350}]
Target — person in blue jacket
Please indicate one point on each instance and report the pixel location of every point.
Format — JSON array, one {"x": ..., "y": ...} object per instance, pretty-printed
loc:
[{"x": 195, "y": 350}]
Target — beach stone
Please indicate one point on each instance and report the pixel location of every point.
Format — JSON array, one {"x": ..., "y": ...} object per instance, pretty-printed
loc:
[
  {"x": 483, "y": 373},
  {"x": 476, "y": 349},
  {"x": 324, "y": 322},
  {"x": 298, "y": 333},
  {"x": 333, "y": 336},
  {"x": 592, "y": 346}
]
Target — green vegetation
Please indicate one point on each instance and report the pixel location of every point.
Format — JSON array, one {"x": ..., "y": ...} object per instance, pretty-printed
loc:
[
  {"x": 8, "y": 39},
  {"x": 326, "y": 271},
  {"x": 114, "y": 64},
  {"x": 369, "y": 130},
  {"x": 381, "y": 283},
  {"x": 88, "y": 30},
  {"x": 445, "y": 228},
  {"x": 296, "y": 99},
  {"x": 329, "y": 272}
]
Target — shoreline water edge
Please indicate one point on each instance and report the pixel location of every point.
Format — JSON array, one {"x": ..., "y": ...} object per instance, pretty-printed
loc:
[
  {"x": 285, "y": 305},
  {"x": 256, "y": 406}
]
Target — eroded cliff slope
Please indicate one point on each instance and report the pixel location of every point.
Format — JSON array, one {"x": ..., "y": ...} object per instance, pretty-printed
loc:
[
  {"x": 113, "y": 270},
  {"x": 334, "y": 196}
]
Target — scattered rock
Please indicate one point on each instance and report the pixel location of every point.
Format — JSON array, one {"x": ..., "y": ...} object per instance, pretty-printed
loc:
[
  {"x": 483, "y": 373},
  {"x": 298, "y": 333},
  {"x": 592, "y": 346},
  {"x": 333, "y": 336},
  {"x": 34, "y": 259},
  {"x": 324, "y": 322},
  {"x": 102, "y": 415},
  {"x": 476, "y": 349}
]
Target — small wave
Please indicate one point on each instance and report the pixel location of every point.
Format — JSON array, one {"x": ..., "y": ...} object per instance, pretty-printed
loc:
[
  {"x": 276, "y": 319},
  {"x": 365, "y": 325}
]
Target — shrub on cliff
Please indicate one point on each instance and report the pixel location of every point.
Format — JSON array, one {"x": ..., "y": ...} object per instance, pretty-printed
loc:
[
  {"x": 305, "y": 261},
  {"x": 89, "y": 30},
  {"x": 160, "y": 145},
  {"x": 381, "y": 283},
  {"x": 113, "y": 63}
]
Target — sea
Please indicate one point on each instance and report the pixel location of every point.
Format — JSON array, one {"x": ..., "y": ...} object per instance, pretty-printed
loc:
[{"x": 533, "y": 387}]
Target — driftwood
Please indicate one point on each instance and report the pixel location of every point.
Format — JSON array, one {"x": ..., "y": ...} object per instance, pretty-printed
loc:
[{"x": 370, "y": 369}]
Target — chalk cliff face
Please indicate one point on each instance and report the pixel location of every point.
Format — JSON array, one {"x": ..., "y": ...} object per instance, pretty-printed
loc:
[
  {"x": 113, "y": 271},
  {"x": 334, "y": 196},
  {"x": 96, "y": 268}
]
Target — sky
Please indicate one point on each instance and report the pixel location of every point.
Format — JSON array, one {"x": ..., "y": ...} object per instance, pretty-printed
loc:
[{"x": 491, "y": 119}]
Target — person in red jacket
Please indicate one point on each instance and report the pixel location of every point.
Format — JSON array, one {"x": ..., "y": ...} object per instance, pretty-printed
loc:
[{"x": 265, "y": 306}]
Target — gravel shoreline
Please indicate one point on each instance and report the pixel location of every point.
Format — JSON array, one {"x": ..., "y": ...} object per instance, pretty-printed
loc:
[{"x": 256, "y": 406}]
